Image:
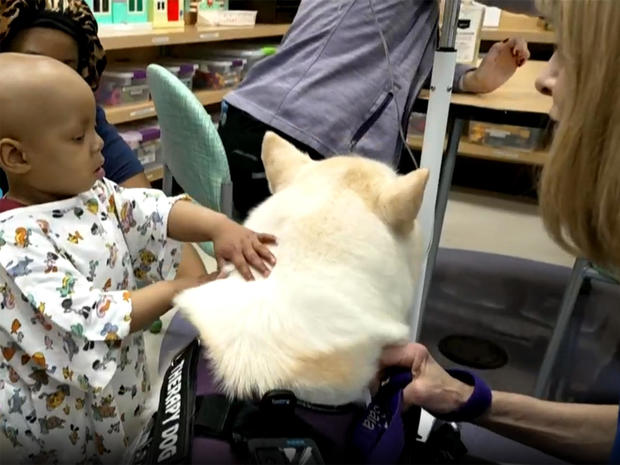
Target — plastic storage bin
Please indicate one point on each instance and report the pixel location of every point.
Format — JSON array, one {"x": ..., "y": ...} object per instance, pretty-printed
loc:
[
  {"x": 132, "y": 138},
  {"x": 146, "y": 144},
  {"x": 218, "y": 74},
  {"x": 122, "y": 86},
  {"x": 174, "y": 69},
  {"x": 184, "y": 70},
  {"x": 249, "y": 54},
  {"x": 193, "y": 6},
  {"x": 215, "y": 117},
  {"x": 504, "y": 135},
  {"x": 226, "y": 17},
  {"x": 417, "y": 124},
  {"x": 187, "y": 72},
  {"x": 269, "y": 11},
  {"x": 149, "y": 152}
]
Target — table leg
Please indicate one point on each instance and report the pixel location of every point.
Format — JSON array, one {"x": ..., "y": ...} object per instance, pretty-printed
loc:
[{"x": 564, "y": 316}]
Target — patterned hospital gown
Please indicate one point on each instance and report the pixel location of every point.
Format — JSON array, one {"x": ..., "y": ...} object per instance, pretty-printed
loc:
[{"x": 73, "y": 381}]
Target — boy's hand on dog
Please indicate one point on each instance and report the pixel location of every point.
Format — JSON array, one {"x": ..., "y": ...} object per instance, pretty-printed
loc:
[{"x": 243, "y": 248}]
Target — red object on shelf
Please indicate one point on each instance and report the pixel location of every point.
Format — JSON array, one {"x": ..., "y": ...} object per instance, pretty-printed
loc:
[{"x": 173, "y": 10}]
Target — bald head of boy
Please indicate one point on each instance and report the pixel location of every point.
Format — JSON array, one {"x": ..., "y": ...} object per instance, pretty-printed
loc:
[{"x": 49, "y": 148}]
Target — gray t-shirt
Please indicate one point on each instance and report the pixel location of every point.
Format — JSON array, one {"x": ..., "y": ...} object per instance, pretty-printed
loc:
[{"x": 329, "y": 85}]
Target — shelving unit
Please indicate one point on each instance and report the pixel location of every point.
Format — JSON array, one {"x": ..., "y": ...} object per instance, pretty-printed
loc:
[
  {"x": 118, "y": 43},
  {"x": 138, "y": 42},
  {"x": 470, "y": 149},
  {"x": 189, "y": 35},
  {"x": 154, "y": 173},
  {"x": 113, "y": 41},
  {"x": 537, "y": 36},
  {"x": 136, "y": 111},
  {"x": 513, "y": 25}
]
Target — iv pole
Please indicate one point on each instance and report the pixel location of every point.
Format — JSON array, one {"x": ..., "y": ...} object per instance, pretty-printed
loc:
[{"x": 442, "y": 77}]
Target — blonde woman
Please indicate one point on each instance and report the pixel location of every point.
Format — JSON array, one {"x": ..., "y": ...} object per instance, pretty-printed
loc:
[{"x": 580, "y": 202}]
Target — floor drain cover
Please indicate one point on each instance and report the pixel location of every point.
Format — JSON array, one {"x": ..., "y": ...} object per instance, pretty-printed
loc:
[{"x": 473, "y": 352}]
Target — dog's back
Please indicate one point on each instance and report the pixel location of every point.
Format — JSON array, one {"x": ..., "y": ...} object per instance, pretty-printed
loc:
[{"x": 342, "y": 287}]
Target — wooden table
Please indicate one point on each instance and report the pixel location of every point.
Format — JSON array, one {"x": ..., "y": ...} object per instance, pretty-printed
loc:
[
  {"x": 517, "y": 101},
  {"x": 515, "y": 25},
  {"x": 517, "y": 95}
]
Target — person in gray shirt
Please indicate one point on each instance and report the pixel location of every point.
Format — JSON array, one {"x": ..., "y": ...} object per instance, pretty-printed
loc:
[{"x": 329, "y": 90}]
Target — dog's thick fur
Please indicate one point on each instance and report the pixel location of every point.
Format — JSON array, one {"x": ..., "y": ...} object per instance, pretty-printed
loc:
[{"x": 347, "y": 257}]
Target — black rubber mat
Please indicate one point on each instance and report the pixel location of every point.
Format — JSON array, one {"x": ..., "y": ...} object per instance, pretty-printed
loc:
[{"x": 472, "y": 351}]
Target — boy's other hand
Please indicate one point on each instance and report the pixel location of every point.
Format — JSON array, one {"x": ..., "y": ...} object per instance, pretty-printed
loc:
[{"x": 497, "y": 66}]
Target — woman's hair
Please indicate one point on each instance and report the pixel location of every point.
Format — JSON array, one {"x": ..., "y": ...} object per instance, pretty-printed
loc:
[
  {"x": 580, "y": 187},
  {"x": 73, "y": 17}
]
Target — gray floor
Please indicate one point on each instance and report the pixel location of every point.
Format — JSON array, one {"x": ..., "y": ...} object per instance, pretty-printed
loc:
[
  {"x": 515, "y": 300},
  {"x": 499, "y": 224},
  {"x": 513, "y": 303}
]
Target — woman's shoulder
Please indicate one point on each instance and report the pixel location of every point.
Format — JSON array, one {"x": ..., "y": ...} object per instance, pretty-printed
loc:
[
  {"x": 100, "y": 116},
  {"x": 104, "y": 128},
  {"x": 121, "y": 163}
]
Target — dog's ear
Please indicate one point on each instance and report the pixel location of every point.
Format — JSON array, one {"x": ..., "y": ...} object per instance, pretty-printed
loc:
[
  {"x": 401, "y": 200},
  {"x": 282, "y": 160}
]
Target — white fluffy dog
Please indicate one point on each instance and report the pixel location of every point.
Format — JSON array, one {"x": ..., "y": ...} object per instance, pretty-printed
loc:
[{"x": 347, "y": 260}]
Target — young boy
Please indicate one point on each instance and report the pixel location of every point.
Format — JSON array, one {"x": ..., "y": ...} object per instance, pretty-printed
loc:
[{"x": 73, "y": 249}]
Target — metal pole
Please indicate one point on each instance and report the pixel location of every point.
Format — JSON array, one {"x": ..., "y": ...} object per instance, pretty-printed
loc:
[
  {"x": 442, "y": 77},
  {"x": 442, "y": 202},
  {"x": 448, "y": 26},
  {"x": 566, "y": 311}
]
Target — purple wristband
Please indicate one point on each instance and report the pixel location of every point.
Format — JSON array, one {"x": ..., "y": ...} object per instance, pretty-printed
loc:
[{"x": 478, "y": 403}]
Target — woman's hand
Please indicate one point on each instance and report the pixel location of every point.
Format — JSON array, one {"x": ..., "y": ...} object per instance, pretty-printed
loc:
[
  {"x": 432, "y": 388},
  {"x": 243, "y": 247},
  {"x": 497, "y": 66}
]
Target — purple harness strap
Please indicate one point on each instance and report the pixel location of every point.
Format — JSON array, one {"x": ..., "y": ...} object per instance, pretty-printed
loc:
[
  {"x": 380, "y": 436},
  {"x": 479, "y": 401}
]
